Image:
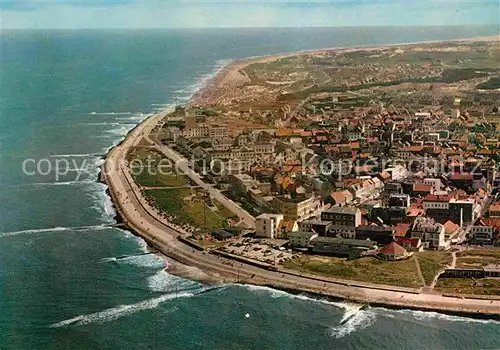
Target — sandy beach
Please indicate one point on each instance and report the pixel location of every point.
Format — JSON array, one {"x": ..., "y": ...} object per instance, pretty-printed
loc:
[{"x": 147, "y": 223}]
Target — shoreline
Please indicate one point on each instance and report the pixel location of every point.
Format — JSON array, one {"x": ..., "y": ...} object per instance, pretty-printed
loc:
[
  {"x": 236, "y": 65},
  {"x": 213, "y": 269}
]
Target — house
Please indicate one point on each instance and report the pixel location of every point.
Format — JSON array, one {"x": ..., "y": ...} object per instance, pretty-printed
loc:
[
  {"x": 380, "y": 234},
  {"x": 410, "y": 244},
  {"x": 286, "y": 226},
  {"x": 298, "y": 208},
  {"x": 317, "y": 226},
  {"x": 399, "y": 200},
  {"x": 430, "y": 232},
  {"x": 401, "y": 229},
  {"x": 392, "y": 251},
  {"x": 341, "y": 231},
  {"x": 266, "y": 225},
  {"x": 482, "y": 233},
  {"x": 300, "y": 239},
  {"x": 420, "y": 189},
  {"x": 341, "y": 198},
  {"x": 450, "y": 228},
  {"x": 494, "y": 210},
  {"x": 345, "y": 216}
]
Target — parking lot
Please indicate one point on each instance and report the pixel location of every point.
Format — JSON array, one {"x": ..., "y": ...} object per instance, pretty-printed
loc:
[{"x": 264, "y": 250}]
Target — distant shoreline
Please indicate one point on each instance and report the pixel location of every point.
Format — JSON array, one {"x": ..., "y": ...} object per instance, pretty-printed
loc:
[
  {"x": 233, "y": 67},
  {"x": 160, "y": 235}
]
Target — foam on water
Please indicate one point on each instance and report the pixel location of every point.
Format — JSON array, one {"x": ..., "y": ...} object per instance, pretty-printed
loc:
[
  {"x": 114, "y": 313},
  {"x": 184, "y": 94},
  {"x": 274, "y": 293},
  {"x": 162, "y": 281},
  {"x": 361, "y": 320},
  {"x": 110, "y": 113},
  {"x": 53, "y": 229},
  {"x": 146, "y": 260},
  {"x": 102, "y": 202},
  {"x": 432, "y": 316}
]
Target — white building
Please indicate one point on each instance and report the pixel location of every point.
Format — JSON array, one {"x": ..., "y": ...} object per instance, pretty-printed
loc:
[{"x": 266, "y": 225}]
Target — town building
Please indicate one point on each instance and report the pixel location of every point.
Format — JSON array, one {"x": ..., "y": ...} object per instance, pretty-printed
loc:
[
  {"x": 393, "y": 251},
  {"x": 267, "y": 225},
  {"x": 340, "y": 246},
  {"x": 344, "y": 216},
  {"x": 300, "y": 239}
]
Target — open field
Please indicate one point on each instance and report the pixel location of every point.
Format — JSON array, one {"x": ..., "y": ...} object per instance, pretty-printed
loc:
[
  {"x": 483, "y": 286},
  {"x": 477, "y": 258},
  {"x": 373, "y": 270},
  {"x": 431, "y": 262},
  {"x": 150, "y": 168},
  {"x": 188, "y": 208}
]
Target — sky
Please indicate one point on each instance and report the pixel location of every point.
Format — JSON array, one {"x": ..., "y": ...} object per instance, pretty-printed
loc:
[{"x": 78, "y": 14}]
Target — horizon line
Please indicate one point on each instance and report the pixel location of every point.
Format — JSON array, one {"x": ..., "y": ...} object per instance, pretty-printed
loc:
[{"x": 263, "y": 27}]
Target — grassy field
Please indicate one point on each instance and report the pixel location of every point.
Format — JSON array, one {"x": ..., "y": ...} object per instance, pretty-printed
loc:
[
  {"x": 188, "y": 211},
  {"x": 431, "y": 262},
  {"x": 397, "y": 273},
  {"x": 483, "y": 286},
  {"x": 151, "y": 169},
  {"x": 476, "y": 258}
]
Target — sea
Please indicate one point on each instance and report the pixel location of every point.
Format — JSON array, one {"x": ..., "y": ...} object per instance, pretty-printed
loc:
[{"x": 70, "y": 280}]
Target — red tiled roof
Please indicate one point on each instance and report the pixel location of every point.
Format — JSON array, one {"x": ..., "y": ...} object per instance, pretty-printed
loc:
[
  {"x": 422, "y": 188},
  {"x": 450, "y": 227},
  {"x": 401, "y": 229},
  {"x": 413, "y": 241},
  {"x": 393, "y": 249}
]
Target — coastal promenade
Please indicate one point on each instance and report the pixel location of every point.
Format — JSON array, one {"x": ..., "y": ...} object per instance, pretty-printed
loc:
[{"x": 148, "y": 223}]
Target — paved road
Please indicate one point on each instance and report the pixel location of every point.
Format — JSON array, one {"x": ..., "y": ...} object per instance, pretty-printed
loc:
[
  {"x": 183, "y": 165},
  {"x": 153, "y": 227}
]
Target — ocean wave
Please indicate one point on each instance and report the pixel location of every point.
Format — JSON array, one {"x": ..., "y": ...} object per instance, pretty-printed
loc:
[
  {"x": 143, "y": 260},
  {"x": 81, "y": 155},
  {"x": 102, "y": 202},
  {"x": 61, "y": 183},
  {"x": 362, "y": 319},
  {"x": 54, "y": 229},
  {"x": 114, "y": 313},
  {"x": 275, "y": 293},
  {"x": 430, "y": 316},
  {"x": 184, "y": 94},
  {"x": 110, "y": 113},
  {"x": 162, "y": 281}
]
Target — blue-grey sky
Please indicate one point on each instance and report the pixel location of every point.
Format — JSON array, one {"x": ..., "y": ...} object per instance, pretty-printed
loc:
[{"x": 71, "y": 14}]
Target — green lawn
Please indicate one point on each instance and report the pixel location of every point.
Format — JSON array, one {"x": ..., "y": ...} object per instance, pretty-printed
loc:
[
  {"x": 476, "y": 258},
  {"x": 191, "y": 212},
  {"x": 482, "y": 286},
  {"x": 369, "y": 269},
  {"x": 431, "y": 262},
  {"x": 151, "y": 169}
]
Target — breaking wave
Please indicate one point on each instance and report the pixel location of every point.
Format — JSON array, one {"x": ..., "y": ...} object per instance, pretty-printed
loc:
[
  {"x": 184, "y": 94},
  {"x": 54, "y": 229},
  {"x": 359, "y": 320},
  {"x": 431, "y": 316},
  {"x": 114, "y": 313},
  {"x": 110, "y": 113},
  {"x": 164, "y": 282},
  {"x": 275, "y": 293}
]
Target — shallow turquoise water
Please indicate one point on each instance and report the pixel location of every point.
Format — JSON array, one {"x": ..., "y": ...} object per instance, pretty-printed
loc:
[{"x": 76, "y": 94}]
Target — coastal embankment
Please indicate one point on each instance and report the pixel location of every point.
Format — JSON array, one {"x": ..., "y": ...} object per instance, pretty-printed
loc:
[{"x": 148, "y": 223}]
